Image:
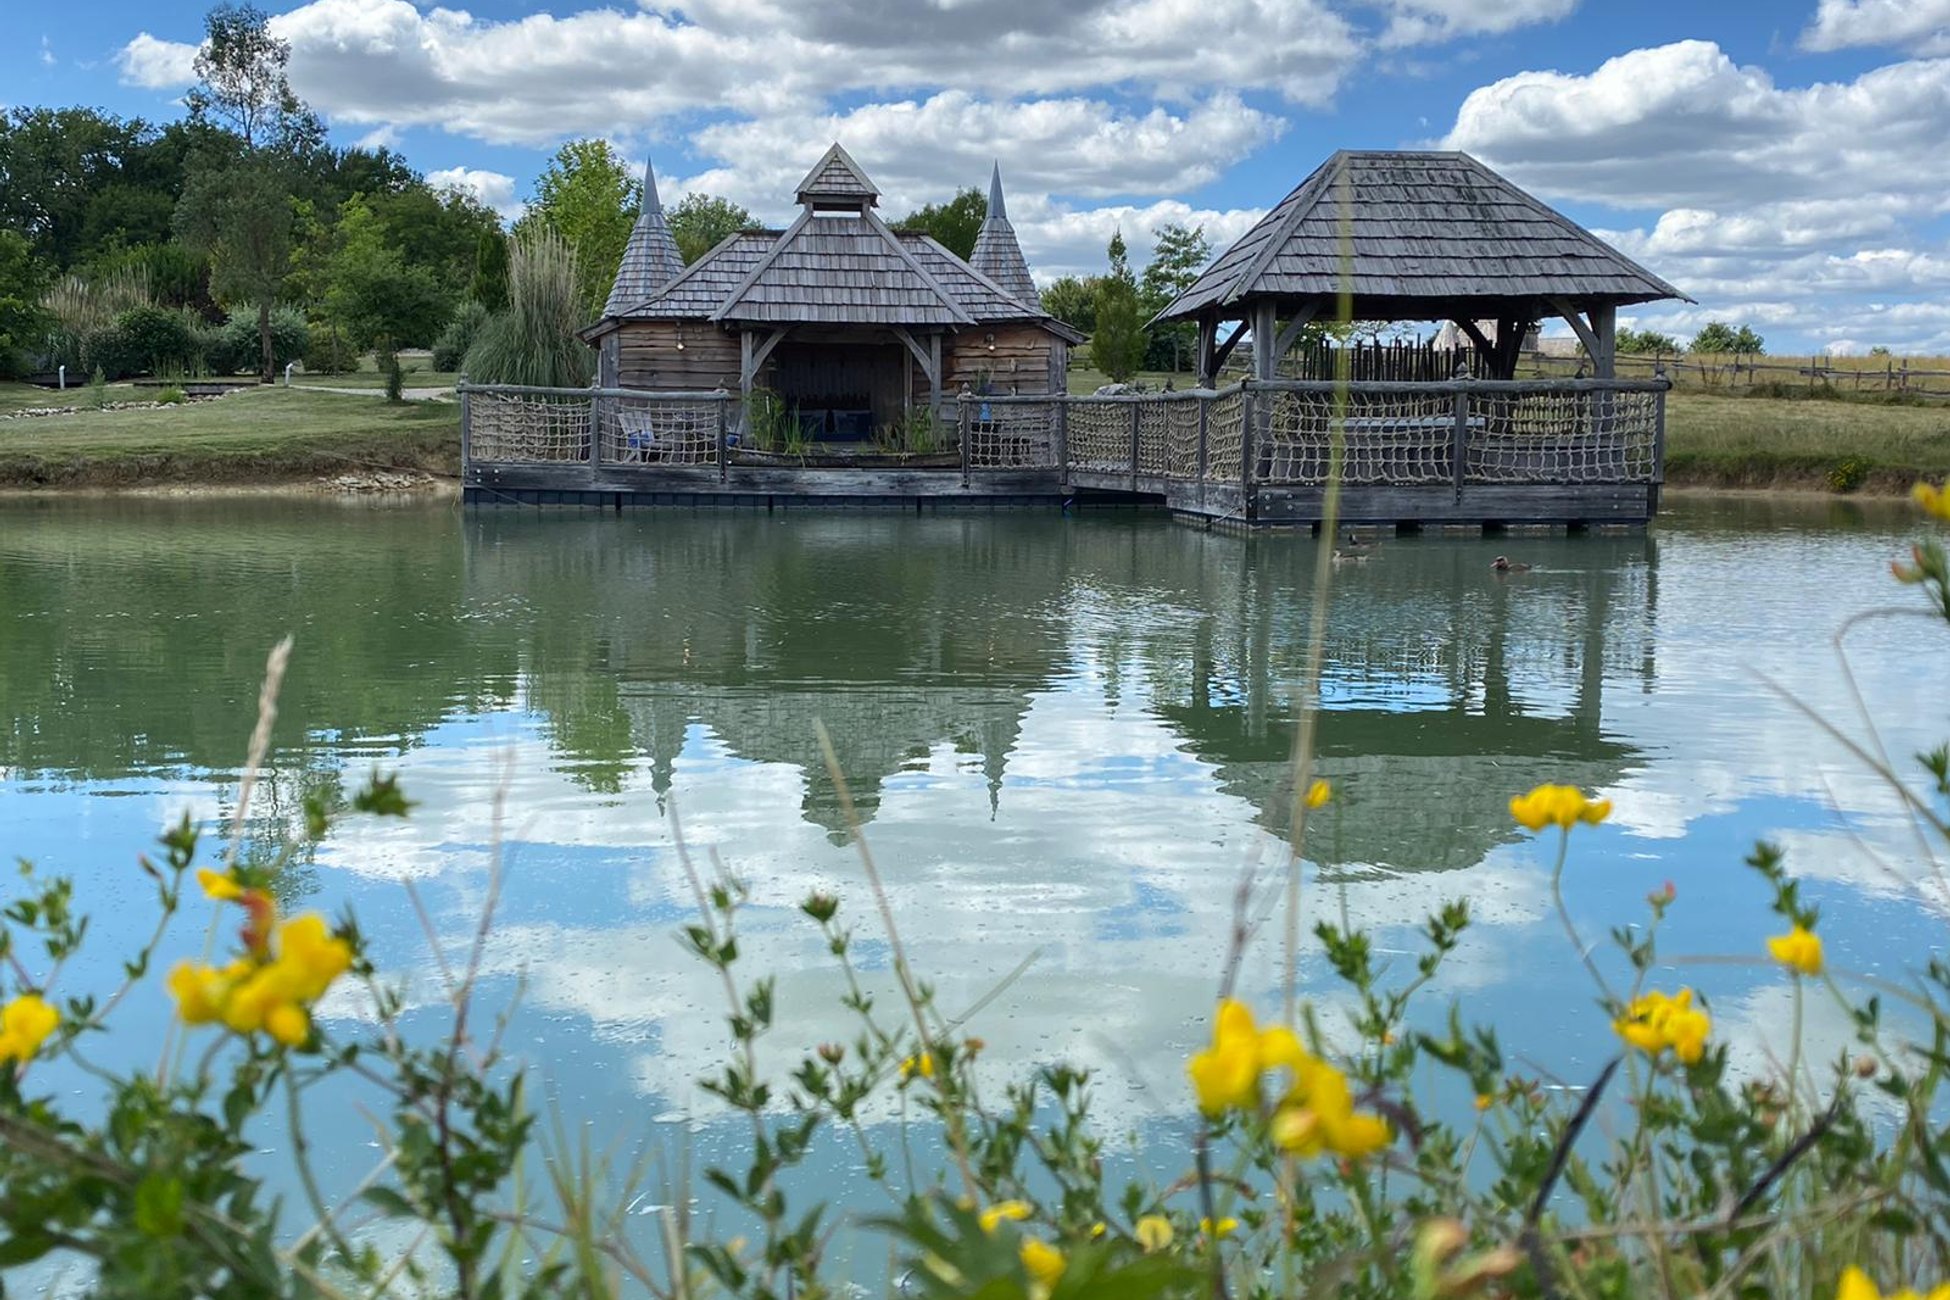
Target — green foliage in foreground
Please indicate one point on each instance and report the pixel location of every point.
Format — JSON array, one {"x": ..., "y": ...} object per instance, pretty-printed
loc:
[{"x": 1397, "y": 1155}]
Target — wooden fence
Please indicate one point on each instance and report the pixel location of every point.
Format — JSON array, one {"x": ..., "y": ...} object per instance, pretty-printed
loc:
[
  {"x": 1916, "y": 377},
  {"x": 1459, "y": 432}
]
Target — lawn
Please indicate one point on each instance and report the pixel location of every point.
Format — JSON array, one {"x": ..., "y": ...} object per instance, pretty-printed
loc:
[
  {"x": 258, "y": 435},
  {"x": 1758, "y": 441},
  {"x": 416, "y": 369},
  {"x": 20, "y": 397}
]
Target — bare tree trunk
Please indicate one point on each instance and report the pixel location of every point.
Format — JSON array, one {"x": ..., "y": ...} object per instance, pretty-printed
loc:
[{"x": 268, "y": 373}]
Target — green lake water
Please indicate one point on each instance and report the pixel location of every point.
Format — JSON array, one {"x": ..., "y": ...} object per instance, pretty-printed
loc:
[{"x": 1067, "y": 738}]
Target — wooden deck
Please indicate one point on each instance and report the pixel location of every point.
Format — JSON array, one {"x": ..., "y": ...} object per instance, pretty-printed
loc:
[{"x": 1573, "y": 452}]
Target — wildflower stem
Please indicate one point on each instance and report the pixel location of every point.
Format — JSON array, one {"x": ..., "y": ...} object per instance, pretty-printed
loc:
[
  {"x": 1570, "y": 929},
  {"x": 301, "y": 1157}
]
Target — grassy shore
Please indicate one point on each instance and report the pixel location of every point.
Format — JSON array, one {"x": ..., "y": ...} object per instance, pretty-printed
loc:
[
  {"x": 257, "y": 436},
  {"x": 1748, "y": 442}
]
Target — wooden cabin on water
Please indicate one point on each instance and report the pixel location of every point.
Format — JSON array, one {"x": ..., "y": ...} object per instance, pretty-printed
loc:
[
  {"x": 850, "y": 323},
  {"x": 841, "y": 362}
]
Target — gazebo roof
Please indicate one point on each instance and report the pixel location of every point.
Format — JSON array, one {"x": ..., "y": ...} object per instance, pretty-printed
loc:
[
  {"x": 997, "y": 254},
  {"x": 1429, "y": 234},
  {"x": 837, "y": 179},
  {"x": 650, "y": 259}
]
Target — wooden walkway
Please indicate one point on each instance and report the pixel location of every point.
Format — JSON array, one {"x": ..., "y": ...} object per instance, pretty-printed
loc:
[{"x": 1569, "y": 452}]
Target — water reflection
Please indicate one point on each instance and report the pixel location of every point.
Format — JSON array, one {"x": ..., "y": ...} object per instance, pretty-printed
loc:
[{"x": 1067, "y": 738}]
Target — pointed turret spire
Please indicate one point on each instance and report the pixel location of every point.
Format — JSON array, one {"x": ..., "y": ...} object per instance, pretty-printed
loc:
[
  {"x": 997, "y": 255},
  {"x": 650, "y": 259}
]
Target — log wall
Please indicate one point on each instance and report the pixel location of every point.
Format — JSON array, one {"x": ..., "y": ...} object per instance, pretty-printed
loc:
[{"x": 648, "y": 356}]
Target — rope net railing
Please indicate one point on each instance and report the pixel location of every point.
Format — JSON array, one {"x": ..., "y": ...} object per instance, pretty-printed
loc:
[
  {"x": 526, "y": 428},
  {"x": 1564, "y": 437},
  {"x": 1399, "y": 437},
  {"x": 1225, "y": 436},
  {"x": 659, "y": 430},
  {"x": 1012, "y": 435},
  {"x": 1100, "y": 435}
]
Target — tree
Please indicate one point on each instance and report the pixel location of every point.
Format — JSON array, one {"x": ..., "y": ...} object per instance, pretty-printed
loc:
[
  {"x": 22, "y": 279},
  {"x": 1647, "y": 343},
  {"x": 1718, "y": 336},
  {"x": 953, "y": 224},
  {"x": 489, "y": 287},
  {"x": 1073, "y": 300},
  {"x": 700, "y": 222},
  {"x": 1176, "y": 260},
  {"x": 372, "y": 294},
  {"x": 237, "y": 205},
  {"x": 1117, "y": 346},
  {"x": 588, "y": 197}
]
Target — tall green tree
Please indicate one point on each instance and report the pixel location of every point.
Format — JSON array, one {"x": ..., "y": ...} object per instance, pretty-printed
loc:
[
  {"x": 1176, "y": 260},
  {"x": 700, "y": 222},
  {"x": 1117, "y": 346},
  {"x": 373, "y": 295},
  {"x": 237, "y": 206},
  {"x": 1073, "y": 300},
  {"x": 23, "y": 278},
  {"x": 953, "y": 224},
  {"x": 489, "y": 287},
  {"x": 588, "y": 196}
]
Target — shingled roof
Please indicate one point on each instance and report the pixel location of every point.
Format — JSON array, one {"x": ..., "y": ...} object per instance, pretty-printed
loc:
[
  {"x": 650, "y": 259},
  {"x": 1434, "y": 231},
  {"x": 837, "y": 264},
  {"x": 836, "y": 178},
  {"x": 997, "y": 254}
]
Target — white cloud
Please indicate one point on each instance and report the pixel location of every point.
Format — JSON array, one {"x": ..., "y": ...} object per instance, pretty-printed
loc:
[
  {"x": 47, "y": 52},
  {"x": 495, "y": 189},
  {"x": 157, "y": 64},
  {"x": 1420, "y": 22},
  {"x": 1782, "y": 205},
  {"x": 917, "y": 151},
  {"x": 1064, "y": 241},
  {"x": 1843, "y": 24}
]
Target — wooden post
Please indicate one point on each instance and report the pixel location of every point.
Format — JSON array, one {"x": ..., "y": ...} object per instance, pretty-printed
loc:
[
  {"x": 466, "y": 428},
  {"x": 1061, "y": 439},
  {"x": 934, "y": 377},
  {"x": 1136, "y": 408},
  {"x": 1460, "y": 451},
  {"x": 1204, "y": 450},
  {"x": 1659, "y": 441},
  {"x": 724, "y": 438},
  {"x": 961, "y": 424},
  {"x": 745, "y": 367},
  {"x": 598, "y": 405},
  {"x": 1247, "y": 451}
]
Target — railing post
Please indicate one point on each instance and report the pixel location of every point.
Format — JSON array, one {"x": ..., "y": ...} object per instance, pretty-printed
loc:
[
  {"x": 1659, "y": 441},
  {"x": 962, "y": 430},
  {"x": 1204, "y": 448},
  {"x": 724, "y": 437},
  {"x": 1459, "y": 452},
  {"x": 1137, "y": 408},
  {"x": 1061, "y": 436},
  {"x": 598, "y": 404},
  {"x": 466, "y": 428},
  {"x": 1247, "y": 451}
]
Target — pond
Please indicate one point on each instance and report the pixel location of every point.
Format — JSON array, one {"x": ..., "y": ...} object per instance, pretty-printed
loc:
[{"x": 1066, "y": 739}]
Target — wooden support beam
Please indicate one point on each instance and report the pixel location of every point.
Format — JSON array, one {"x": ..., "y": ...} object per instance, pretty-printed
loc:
[
  {"x": 1575, "y": 319},
  {"x": 1485, "y": 351},
  {"x": 1208, "y": 349},
  {"x": 1266, "y": 333},
  {"x": 1291, "y": 331},
  {"x": 1604, "y": 327},
  {"x": 1223, "y": 351}
]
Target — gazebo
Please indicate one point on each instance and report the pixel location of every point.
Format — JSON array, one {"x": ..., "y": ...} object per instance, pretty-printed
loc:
[
  {"x": 1414, "y": 237},
  {"x": 849, "y": 322}
]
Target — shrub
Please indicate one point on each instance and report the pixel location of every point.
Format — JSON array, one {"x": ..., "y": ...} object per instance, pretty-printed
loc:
[
  {"x": 450, "y": 349},
  {"x": 172, "y": 396},
  {"x": 149, "y": 340},
  {"x": 330, "y": 353},
  {"x": 238, "y": 350},
  {"x": 1848, "y": 475}
]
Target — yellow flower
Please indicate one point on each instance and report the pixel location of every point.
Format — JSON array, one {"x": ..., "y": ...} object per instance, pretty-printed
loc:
[
  {"x": 25, "y": 1024},
  {"x": 1317, "y": 1115},
  {"x": 1799, "y": 950},
  {"x": 1153, "y": 1233},
  {"x": 1319, "y": 793},
  {"x": 1856, "y": 1285},
  {"x": 219, "y": 886},
  {"x": 312, "y": 955},
  {"x": 922, "y": 1064},
  {"x": 264, "y": 991},
  {"x": 1934, "y": 498},
  {"x": 1484, "y": 1101},
  {"x": 1226, "y": 1075},
  {"x": 1558, "y": 805},
  {"x": 1655, "y": 1022},
  {"x": 1044, "y": 1263},
  {"x": 1013, "y": 1211},
  {"x": 1224, "y": 1228}
]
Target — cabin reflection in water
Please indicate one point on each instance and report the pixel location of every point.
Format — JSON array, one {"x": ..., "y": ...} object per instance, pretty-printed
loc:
[{"x": 1448, "y": 688}]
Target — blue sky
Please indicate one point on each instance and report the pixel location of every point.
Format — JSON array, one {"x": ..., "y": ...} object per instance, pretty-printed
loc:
[{"x": 1779, "y": 161}]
